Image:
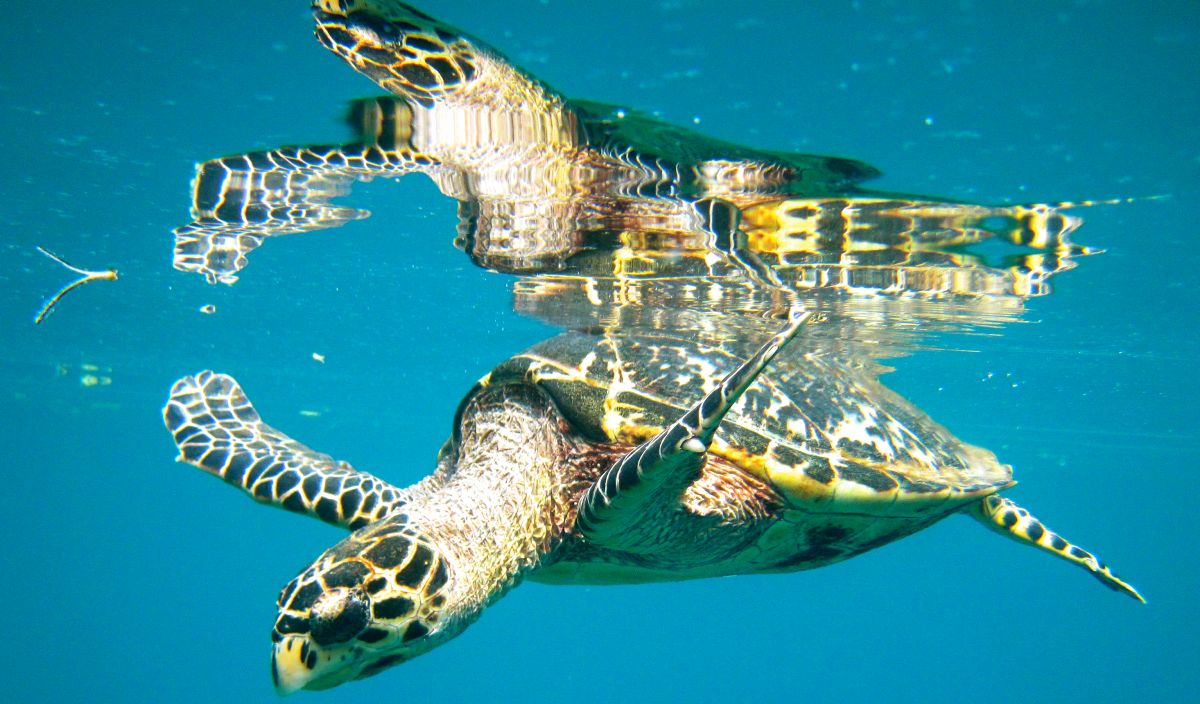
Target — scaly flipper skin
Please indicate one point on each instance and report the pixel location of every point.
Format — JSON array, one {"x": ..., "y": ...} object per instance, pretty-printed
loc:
[
  {"x": 217, "y": 429},
  {"x": 1008, "y": 519},
  {"x": 238, "y": 201},
  {"x": 659, "y": 469},
  {"x": 426, "y": 59}
]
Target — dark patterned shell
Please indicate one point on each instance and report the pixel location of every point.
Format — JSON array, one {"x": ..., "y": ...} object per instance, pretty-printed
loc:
[{"x": 819, "y": 429}]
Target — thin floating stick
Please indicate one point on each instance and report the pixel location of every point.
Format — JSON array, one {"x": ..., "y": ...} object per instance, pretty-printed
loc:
[{"x": 85, "y": 277}]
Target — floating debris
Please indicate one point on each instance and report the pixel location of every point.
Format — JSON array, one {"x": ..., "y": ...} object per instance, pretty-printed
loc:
[
  {"x": 319, "y": 357},
  {"x": 85, "y": 277},
  {"x": 208, "y": 309}
]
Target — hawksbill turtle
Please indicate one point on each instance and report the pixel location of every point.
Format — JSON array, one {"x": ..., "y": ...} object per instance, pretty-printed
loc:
[
  {"x": 624, "y": 456},
  {"x": 616, "y": 457}
]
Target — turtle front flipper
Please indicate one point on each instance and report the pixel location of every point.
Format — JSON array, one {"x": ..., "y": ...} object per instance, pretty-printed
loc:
[
  {"x": 238, "y": 201},
  {"x": 1008, "y": 519},
  {"x": 657, "y": 471},
  {"x": 217, "y": 429}
]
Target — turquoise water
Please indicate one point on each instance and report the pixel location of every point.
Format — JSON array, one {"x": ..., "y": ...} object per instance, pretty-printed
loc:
[{"x": 132, "y": 578}]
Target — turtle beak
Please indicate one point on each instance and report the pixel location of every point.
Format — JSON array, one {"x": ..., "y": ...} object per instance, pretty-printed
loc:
[
  {"x": 288, "y": 671},
  {"x": 297, "y": 663}
]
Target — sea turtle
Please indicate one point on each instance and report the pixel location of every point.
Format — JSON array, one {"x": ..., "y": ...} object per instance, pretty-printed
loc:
[{"x": 615, "y": 457}]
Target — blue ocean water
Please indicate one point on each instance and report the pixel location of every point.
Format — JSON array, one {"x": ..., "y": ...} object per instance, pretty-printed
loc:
[{"x": 129, "y": 577}]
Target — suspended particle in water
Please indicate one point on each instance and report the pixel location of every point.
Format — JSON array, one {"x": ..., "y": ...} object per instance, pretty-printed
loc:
[{"x": 89, "y": 380}]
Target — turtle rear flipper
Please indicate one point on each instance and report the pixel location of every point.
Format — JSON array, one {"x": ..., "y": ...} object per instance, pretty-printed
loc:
[
  {"x": 217, "y": 429},
  {"x": 611, "y": 510},
  {"x": 1010, "y": 520}
]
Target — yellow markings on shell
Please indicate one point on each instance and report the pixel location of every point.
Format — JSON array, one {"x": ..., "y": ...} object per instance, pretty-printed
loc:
[
  {"x": 626, "y": 433},
  {"x": 925, "y": 464},
  {"x": 756, "y": 465},
  {"x": 857, "y": 428},
  {"x": 797, "y": 427},
  {"x": 794, "y": 483},
  {"x": 622, "y": 421},
  {"x": 762, "y": 226},
  {"x": 800, "y": 225},
  {"x": 841, "y": 494},
  {"x": 629, "y": 261},
  {"x": 545, "y": 369}
]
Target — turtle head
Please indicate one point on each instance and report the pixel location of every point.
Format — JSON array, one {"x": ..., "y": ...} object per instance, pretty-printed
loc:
[
  {"x": 377, "y": 599},
  {"x": 399, "y": 47}
]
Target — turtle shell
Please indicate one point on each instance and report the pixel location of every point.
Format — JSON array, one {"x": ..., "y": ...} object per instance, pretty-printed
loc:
[{"x": 819, "y": 428}]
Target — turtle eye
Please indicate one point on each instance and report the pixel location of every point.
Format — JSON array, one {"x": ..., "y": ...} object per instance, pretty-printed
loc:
[{"x": 339, "y": 615}]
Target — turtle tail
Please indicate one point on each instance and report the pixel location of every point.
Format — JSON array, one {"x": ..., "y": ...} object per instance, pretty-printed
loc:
[{"x": 1009, "y": 519}]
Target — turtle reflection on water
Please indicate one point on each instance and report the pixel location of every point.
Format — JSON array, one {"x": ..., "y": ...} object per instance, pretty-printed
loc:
[
  {"x": 626, "y": 455},
  {"x": 535, "y": 174}
]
